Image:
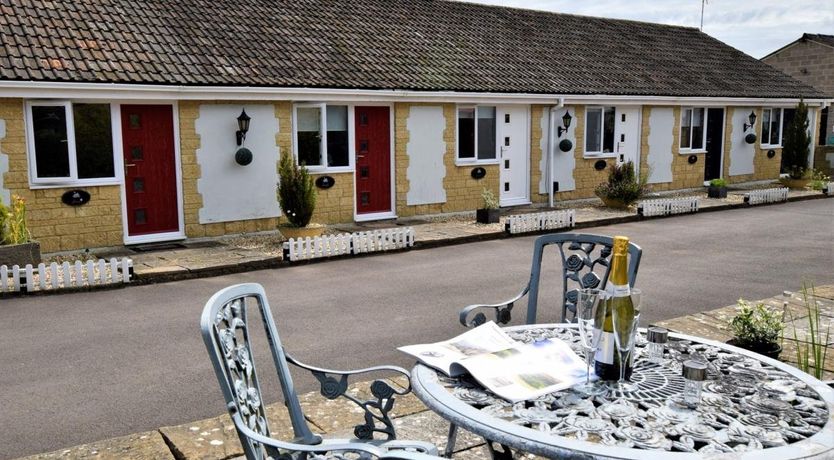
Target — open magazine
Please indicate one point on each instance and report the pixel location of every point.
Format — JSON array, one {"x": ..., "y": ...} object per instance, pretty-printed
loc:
[{"x": 512, "y": 370}]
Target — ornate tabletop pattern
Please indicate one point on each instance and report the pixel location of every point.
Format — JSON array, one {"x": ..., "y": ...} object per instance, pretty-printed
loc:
[{"x": 746, "y": 405}]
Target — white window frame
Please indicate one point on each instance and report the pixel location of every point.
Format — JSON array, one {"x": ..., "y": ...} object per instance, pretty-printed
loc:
[
  {"x": 35, "y": 181},
  {"x": 767, "y": 144},
  {"x": 322, "y": 106},
  {"x": 690, "y": 150},
  {"x": 475, "y": 160},
  {"x": 600, "y": 153}
]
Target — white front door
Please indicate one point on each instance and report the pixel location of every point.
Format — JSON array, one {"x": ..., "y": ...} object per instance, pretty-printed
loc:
[
  {"x": 514, "y": 147},
  {"x": 627, "y": 135}
]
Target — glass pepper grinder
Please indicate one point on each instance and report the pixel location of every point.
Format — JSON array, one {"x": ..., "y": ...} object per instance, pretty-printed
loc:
[
  {"x": 694, "y": 374},
  {"x": 657, "y": 337}
]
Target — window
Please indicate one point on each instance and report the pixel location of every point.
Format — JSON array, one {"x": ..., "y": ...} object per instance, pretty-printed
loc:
[
  {"x": 599, "y": 130},
  {"x": 70, "y": 143},
  {"x": 476, "y": 133},
  {"x": 318, "y": 144},
  {"x": 772, "y": 127},
  {"x": 787, "y": 119},
  {"x": 693, "y": 134}
]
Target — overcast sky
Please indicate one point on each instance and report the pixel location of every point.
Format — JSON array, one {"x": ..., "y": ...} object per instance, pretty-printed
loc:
[{"x": 756, "y": 27}]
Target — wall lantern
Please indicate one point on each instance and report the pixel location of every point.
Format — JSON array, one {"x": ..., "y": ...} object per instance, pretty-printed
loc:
[
  {"x": 566, "y": 119},
  {"x": 752, "y": 119},
  {"x": 242, "y": 127}
]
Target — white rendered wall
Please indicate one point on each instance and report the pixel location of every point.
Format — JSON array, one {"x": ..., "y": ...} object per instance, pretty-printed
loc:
[
  {"x": 742, "y": 154},
  {"x": 230, "y": 191},
  {"x": 563, "y": 162},
  {"x": 812, "y": 134},
  {"x": 425, "y": 150},
  {"x": 661, "y": 143},
  {"x": 5, "y": 196}
]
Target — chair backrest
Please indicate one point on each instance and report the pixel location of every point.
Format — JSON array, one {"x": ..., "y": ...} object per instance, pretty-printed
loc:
[
  {"x": 225, "y": 329},
  {"x": 583, "y": 257}
]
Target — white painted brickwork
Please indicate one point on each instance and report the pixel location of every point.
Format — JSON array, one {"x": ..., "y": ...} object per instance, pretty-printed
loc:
[
  {"x": 53, "y": 276},
  {"x": 348, "y": 243},
  {"x": 769, "y": 195},
  {"x": 667, "y": 207},
  {"x": 523, "y": 223}
]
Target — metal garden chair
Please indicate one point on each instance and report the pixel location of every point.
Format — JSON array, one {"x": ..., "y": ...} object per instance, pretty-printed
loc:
[
  {"x": 225, "y": 330},
  {"x": 585, "y": 264}
]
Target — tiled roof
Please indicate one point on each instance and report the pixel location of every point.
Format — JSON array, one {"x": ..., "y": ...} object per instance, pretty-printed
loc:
[
  {"x": 824, "y": 39},
  {"x": 371, "y": 44}
]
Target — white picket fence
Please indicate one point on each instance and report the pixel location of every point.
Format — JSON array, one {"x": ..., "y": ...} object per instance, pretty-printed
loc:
[
  {"x": 668, "y": 206},
  {"x": 768, "y": 195},
  {"x": 54, "y": 276},
  {"x": 535, "y": 222},
  {"x": 348, "y": 243},
  {"x": 829, "y": 189}
]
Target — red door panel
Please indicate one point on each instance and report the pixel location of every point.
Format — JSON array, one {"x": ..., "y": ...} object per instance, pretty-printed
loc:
[
  {"x": 373, "y": 160},
  {"x": 150, "y": 170}
]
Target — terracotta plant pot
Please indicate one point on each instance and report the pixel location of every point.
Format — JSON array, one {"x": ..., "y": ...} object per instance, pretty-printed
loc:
[
  {"x": 772, "y": 351},
  {"x": 20, "y": 254},
  {"x": 796, "y": 184},
  {"x": 311, "y": 231},
  {"x": 487, "y": 216},
  {"x": 614, "y": 203}
]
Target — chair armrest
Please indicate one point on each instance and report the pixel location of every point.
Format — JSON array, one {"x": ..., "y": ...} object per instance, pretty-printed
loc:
[
  {"x": 376, "y": 410},
  {"x": 503, "y": 311}
]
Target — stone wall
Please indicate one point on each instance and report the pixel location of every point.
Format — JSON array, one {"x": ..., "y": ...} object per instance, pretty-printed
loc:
[{"x": 537, "y": 151}]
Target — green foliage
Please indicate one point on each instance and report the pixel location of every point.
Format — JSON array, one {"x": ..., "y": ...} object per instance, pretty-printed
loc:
[
  {"x": 296, "y": 192},
  {"x": 812, "y": 351},
  {"x": 13, "y": 229},
  {"x": 718, "y": 183},
  {"x": 623, "y": 184},
  {"x": 756, "y": 327},
  {"x": 795, "y": 149},
  {"x": 490, "y": 202},
  {"x": 819, "y": 179}
]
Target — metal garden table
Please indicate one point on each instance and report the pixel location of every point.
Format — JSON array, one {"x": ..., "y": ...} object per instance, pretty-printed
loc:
[{"x": 752, "y": 407}]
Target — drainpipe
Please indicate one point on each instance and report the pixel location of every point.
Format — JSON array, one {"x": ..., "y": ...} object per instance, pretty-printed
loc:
[{"x": 549, "y": 153}]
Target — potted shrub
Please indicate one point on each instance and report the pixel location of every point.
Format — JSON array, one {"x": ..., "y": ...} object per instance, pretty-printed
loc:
[
  {"x": 623, "y": 186},
  {"x": 297, "y": 197},
  {"x": 717, "y": 188},
  {"x": 16, "y": 245},
  {"x": 489, "y": 214},
  {"x": 795, "y": 149},
  {"x": 757, "y": 329}
]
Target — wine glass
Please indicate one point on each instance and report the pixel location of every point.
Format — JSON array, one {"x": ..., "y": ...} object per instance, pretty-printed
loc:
[
  {"x": 625, "y": 318},
  {"x": 588, "y": 303}
]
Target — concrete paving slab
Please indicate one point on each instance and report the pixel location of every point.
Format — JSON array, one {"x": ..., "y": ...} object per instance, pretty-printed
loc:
[{"x": 140, "y": 446}]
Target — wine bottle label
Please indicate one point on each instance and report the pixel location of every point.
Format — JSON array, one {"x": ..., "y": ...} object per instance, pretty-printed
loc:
[
  {"x": 618, "y": 290},
  {"x": 605, "y": 352}
]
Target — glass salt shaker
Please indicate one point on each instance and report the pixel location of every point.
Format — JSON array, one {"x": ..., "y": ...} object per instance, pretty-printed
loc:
[
  {"x": 657, "y": 337},
  {"x": 694, "y": 373}
]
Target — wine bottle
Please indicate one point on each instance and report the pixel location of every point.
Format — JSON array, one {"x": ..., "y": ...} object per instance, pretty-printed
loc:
[{"x": 606, "y": 359}]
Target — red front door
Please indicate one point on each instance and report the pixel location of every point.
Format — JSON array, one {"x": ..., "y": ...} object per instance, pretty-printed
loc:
[
  {"x": 150, "y": 169},
  {"x": 373, "y": 160}
]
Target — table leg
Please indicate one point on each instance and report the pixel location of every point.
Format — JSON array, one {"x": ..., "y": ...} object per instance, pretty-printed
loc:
[
  {"x": 504, "y": 454},
  {"x": 450, "y": 440}
]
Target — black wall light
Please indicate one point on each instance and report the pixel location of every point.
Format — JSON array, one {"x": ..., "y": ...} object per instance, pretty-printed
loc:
[
  {"x": 566, "y": 119},
  {"x": 752, "y": 119},
  {"x": 242, "y": 127}
]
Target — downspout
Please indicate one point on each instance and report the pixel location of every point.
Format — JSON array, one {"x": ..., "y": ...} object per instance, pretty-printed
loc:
[{"x": 549, "y": 159}]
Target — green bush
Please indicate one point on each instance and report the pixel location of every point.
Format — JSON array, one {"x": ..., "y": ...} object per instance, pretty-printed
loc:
[
  {"x": 756, "y": 327},
  {"x": 623, "y": 184},
  {"x": 718, "y": 183},
  {"x": 13, "y": 229},
  {"x": 490, "y": 202},
  {"x": 795, "y": 149},
  {"x": 296, "y": 192},
  {"x": 819, "y": 180}
]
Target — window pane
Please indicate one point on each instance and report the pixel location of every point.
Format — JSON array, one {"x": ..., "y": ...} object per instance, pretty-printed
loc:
[
  {"x": 486, "y": 133},
  {"x": 93, "y": 140},
  {"x": 608, "y": 130},
  {"x": 776, "y": 121},
  {"x": 594, "y": 123},
  {"x": 337, "y": 136},
  {"x": 786, "y": 120},
  {"x": 309, "y": 137},
  {"x": 466, "y": 133},
  {"x": 765, "y": 126},
  {"x": 49, "y": 126},
  {"x": 686, "y": 129},
  {"x": 698, "y": 128}
]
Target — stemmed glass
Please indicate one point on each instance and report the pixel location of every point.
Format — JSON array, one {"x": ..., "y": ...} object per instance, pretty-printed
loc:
[
  {"x": 589, "y": 303},
  {"x": 625, "y": 331}
]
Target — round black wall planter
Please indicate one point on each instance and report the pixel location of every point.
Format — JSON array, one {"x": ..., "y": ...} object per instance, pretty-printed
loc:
[
  {"x": 478, "y": 173},
  {"x": 243, "y": 156},
  {"x": 600, "y": 165},
  {"x": 771, "y": 153},
  {"x": 75, "y": 197},
  {"x": 750, "y": 138},
  {"x": 692, "y": 159},
  {"x": 565, "y": 145},
  {"x": 325, "y": 182}
]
